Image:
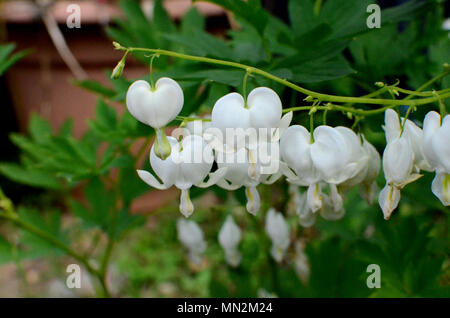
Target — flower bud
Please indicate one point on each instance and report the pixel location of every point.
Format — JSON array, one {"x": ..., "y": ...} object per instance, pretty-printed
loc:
[{"x": 117, "y": 71}]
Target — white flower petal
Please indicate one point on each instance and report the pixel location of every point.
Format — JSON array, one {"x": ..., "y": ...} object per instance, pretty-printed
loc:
[
  {"x": 441, "y": 188},
  {"x": 388, "y": 199},
  {"x": 148, "y": 178}
]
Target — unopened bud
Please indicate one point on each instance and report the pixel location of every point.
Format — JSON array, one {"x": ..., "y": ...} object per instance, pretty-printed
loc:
[
  {"x": 162, "y": 145},
  {"x": 379, "y": 84},
  {"x": 118, "y": 46},
  {"x": 117, "y": 71}
]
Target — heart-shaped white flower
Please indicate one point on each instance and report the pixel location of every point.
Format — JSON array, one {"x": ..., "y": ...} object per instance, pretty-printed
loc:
[
  {"x": 262, "y": 111},
  {"x": 157, "y": 107},
  {"x": 189, "y": 164}
]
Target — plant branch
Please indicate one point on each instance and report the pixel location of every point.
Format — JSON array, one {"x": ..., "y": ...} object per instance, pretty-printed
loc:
[{"x": 320, "y": 96}]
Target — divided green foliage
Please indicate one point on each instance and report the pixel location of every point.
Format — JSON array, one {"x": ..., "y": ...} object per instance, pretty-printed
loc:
[{"x": 7, "y": 59}]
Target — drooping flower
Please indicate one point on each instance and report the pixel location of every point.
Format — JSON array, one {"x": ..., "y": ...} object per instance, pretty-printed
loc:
[
  {"x": 262, "y": 110},
  {"x": 188, "y": 165},
  {"x": 249, "y": 169},
  {"x": 334, "y": 156},
  {"x": 157, "y": 107},
  {"x": 229, "y": 238},
  {"x": 402, "y": 160},
  {"x": 191, "y": 236},
  {"x": 437, "y": 151},
  {"x": 278, "y": 231}
]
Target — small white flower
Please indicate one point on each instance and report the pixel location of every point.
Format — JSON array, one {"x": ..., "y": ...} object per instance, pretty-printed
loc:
[
  {"x": 188, "y": 165},
  {"x": 157, "y": 107},
  {"x": 229, "y": 238},
  {"x": 278, "y": 231},
  {"x": 244, "y": 170},
  {"x": 191, "y": 236},
  {"x": 263, "y": 110},
  {"x": 402, "y": 160},
  {"x": 437, "y": 151}
]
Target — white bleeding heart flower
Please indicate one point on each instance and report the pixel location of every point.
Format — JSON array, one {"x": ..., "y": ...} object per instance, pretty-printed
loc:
[
  {"x": 188, "y": 165},
  {"x": 278, "y": 231},
  {"x": 412, "y": 132},
  {"x": 157, "y": 107},
  {"x": 243, "y": 169},
  {"x": 399, "y": 161},
  {"x": 229, "y": 238},
  {"x": 191, "y": 236},
  {"x": 262, "y": 110},
  {"x": 295, "y": 151},
  {"x": 336, "y": 153},
  {"x": 437, "y": 152}
]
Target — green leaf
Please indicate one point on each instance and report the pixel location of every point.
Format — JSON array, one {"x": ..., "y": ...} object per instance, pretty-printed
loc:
[
  {"x": 34, "y": 178},
  {"x": 250, "y": 11},
  {"x": 301, "y": 16},
  {"x": 40, "y": 129},
  {"x": 321, "y": 70},
  {"x": 98, "y": 211},
  {"x": 6, "y": 61},
  {"x": 162, "y": 22},
  {"x": 192, "y": 22},
  {"x": 96, "y": 87},
  {"x": 50, "y": 224},
  {"x": 202, "y": 44}
]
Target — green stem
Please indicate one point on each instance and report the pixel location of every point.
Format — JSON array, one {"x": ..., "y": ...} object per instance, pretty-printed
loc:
[
  {"x": 317, "y": 7},
  {"x": 55, "y": 242},
  {"x": 322, "y": 97},
  {"x": 244, "y": 87},
  {"x": 152, "y": 80}
]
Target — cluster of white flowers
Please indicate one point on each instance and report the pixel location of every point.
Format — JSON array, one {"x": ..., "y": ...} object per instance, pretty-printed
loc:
[
  {"x": 230, "y": 235},
  {"x": 328, "y": 161},
  {"x": 409, "y": 150}
]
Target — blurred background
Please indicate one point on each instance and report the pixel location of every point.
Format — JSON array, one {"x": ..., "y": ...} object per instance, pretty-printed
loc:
[{"x": 64, "y": 73}]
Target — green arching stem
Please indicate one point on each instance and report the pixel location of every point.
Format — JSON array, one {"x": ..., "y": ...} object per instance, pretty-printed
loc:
[
  {"x": 322, "y": 97},
  {"x": 244, "y": 87},
  {"x": 404, "y": 120},
  {"x": 152, "y": 80}
]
